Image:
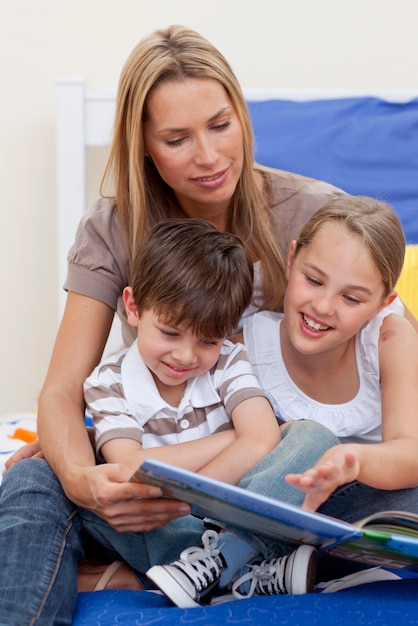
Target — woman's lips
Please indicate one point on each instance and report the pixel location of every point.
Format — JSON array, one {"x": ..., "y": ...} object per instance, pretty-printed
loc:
[{"x": 213, "y": 181}]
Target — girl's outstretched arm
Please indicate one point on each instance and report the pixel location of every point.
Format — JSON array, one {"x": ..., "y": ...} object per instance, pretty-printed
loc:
[{"x": 393, "y": 463}]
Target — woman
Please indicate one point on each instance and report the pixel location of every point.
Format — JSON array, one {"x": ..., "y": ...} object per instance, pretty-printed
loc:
[{"x": 182, "y": 146}]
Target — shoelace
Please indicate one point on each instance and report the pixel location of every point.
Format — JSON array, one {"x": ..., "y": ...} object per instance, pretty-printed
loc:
[
  {"x": 201, "y": 565},
  {"x": 266, "y": 578}
]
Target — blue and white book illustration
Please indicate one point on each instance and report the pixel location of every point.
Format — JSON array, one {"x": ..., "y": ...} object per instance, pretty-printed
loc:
[{"x": 388, "y": 538}]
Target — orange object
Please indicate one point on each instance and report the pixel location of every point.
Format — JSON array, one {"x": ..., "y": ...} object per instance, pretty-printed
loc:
[{"x": 25, "y": 435}]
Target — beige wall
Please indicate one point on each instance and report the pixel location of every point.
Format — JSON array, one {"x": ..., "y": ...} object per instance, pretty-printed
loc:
[{"x": 335, "y": 44}]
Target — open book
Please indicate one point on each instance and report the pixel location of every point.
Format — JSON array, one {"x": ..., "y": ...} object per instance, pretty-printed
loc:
[{"x": 389, "y": 538}]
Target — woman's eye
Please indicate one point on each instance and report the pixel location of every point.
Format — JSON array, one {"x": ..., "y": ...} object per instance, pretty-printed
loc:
[
  {"x": 223, "y": 126},
  {"x": 172, "y": 143}
]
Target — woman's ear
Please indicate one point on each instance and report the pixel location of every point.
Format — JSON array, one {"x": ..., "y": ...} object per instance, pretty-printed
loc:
[
  {"x": 290, "y": 257},
  {"x": 130, "y": 307}
]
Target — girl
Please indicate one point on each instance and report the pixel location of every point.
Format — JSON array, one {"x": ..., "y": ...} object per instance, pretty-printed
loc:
[{"x": 342, "y": 354}]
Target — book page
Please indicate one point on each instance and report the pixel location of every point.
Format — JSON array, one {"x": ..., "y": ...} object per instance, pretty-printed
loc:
[{"x": 393, "y": 521}]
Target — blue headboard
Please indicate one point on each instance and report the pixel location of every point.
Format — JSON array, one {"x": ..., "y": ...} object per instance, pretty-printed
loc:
[{"x": 365, "y": 145}]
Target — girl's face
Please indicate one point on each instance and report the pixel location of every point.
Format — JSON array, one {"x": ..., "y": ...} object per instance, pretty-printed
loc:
[
  {"x": 334, "y": 288},
  {"x": 195, "y": 140}
]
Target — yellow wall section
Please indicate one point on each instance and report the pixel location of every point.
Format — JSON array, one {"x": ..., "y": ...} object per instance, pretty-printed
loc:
[{"x": 407, "y": 285}]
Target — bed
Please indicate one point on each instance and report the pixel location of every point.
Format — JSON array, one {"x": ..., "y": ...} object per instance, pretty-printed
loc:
[{"x": 364, "y": 143}]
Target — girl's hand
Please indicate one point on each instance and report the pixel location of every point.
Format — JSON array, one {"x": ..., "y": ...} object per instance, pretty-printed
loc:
[{"x": 336, "y": 467}]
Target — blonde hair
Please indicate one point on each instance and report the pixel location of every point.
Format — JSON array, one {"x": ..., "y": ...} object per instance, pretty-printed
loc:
[
  {"x": 142, "y": 197},
  {"x": 375, "y": 222}
]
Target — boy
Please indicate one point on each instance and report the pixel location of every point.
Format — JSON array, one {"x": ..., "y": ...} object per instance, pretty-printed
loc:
[
  {"x": 181, "y": 380},
  {"x": 183, "y": 393}
]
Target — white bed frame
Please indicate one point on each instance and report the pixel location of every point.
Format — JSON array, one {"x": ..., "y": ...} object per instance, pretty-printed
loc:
[{"x": 85, "y": 119}]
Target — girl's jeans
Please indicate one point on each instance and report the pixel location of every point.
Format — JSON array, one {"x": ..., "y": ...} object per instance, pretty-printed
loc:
[{"x": 42, "y": 533}]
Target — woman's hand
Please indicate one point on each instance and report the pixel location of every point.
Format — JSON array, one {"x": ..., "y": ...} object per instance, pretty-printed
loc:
[
  {"x": 27, "y": 451},
  {"x": 127, "y": 506},
  {"x": 336, "y": 467},
  {"x": 103, "y": 489}
]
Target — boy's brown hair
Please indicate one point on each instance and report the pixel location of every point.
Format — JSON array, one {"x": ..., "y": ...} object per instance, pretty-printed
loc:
[{"x": 190, "y": 273}]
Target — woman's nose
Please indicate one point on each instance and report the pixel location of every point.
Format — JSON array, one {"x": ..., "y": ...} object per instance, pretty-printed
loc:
[{"x": 206, "y": 153}]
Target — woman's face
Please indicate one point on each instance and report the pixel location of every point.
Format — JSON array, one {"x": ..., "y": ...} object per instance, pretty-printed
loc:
[{"x": 195, "y": 140}]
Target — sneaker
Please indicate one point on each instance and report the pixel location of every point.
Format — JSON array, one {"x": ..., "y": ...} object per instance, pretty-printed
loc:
[
  {"x": 291, "y": 574},
  {"x": 193, "y": 579}
]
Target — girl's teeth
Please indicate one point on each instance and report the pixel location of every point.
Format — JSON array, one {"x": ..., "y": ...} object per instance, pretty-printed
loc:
[{"x": 313, "y": 324}]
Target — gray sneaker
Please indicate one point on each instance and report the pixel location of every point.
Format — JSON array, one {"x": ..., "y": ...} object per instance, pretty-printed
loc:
[
  {"x": 194, "y": 578},
  {"x": 291, "y": 574}
]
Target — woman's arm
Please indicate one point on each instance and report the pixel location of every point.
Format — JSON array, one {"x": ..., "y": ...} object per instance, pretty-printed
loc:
[
  {"x": 63, "y": 436},
  {"x": 78, "y": 347},
  {"x": 392, "y": 464}
]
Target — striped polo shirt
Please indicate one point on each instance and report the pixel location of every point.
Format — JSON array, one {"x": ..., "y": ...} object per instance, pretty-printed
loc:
[{"x": 123, "y": 399}]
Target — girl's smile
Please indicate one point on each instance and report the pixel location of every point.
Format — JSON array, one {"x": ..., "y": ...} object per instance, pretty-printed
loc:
[{"x": 313, "y": 327}]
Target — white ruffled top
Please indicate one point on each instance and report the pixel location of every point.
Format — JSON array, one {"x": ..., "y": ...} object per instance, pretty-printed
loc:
[{"x": 358, "y": 420}]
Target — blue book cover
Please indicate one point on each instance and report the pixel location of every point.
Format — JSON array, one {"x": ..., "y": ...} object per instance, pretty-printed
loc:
[{"x": 387, "y": 539}]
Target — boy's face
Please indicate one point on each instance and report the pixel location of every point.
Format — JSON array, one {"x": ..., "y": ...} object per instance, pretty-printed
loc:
[{"x": 172, "y": 354}]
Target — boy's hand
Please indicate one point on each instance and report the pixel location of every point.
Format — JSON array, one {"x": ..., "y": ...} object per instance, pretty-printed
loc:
[{"x": 336, "y": 467}]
